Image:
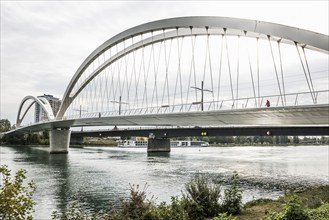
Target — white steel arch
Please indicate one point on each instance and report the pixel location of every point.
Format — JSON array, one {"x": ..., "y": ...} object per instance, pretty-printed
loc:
[
  {"x": 44, "y": 104},
  {"x": 218, "y": 25}
]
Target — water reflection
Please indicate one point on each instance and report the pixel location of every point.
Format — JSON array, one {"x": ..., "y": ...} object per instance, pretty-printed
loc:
[
  {"x": 158, "y": 154},
  {"x": 99, "y": 177},
  {"x": 58, "y": 163}
]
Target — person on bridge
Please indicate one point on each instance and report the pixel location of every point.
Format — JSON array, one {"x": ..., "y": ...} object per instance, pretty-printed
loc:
[{"x": 267, "y": 104}]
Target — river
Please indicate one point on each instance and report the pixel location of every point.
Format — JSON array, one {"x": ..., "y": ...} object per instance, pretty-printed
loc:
[{"x": 99, "y": 177}]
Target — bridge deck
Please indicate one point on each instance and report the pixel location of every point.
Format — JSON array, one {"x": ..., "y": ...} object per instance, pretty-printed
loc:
[{"x": 274, "y": 116}]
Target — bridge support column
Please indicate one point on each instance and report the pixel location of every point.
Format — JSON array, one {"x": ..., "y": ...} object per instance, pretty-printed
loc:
[
  {"x": 59, "y": 140},
  {"x": 158, "y": 145}
]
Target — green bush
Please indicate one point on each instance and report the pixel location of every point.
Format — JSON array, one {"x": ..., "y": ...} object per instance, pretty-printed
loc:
[
  {"x": 321, "y": 213},
  {"x": 75, "y": 212},
  {"x": 174, "y": 210},
  {"x": 293, "y": 210},
  {"x": 224, "y": 216},
  {"x": 136, "y": 207},
  {"x": 232, "y": 202},
  {"x": 15, "y": 198},
  {"x": 201, "y": 198}
]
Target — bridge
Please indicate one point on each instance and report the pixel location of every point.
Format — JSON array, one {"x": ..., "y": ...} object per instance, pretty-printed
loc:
[{"x": 219, "y": 73}]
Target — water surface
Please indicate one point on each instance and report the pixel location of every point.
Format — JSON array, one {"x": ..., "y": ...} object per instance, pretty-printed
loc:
[{"x": 100, "y": 177}]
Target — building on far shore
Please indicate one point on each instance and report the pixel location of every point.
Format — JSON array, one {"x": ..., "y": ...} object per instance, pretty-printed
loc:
[{"x": 40, "y": 114}]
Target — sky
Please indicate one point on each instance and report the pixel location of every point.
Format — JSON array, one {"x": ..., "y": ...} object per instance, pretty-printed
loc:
[{"x": 44, "y": 42}]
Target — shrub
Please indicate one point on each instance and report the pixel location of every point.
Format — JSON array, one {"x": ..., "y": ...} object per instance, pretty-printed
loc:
[
  {"x": 174, "y": 210},
  {"x": 224, "y": 216},
  {"x": 74, "y": 212},
  {"x": 201, "y": 198},
  {"x": 136, "y": 207},
  {"x": 232, "y": 202},
  {"x": 256, "y": 202},
  {"x": 15, "y": 199},
  {"x": 321, "y": 213},
  {"x": 292, "y": 210}
]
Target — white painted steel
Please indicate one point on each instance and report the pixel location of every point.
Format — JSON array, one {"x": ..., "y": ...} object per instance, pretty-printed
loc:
[
  {"x": 276, "y": 116},
  {"x": 44, "y": 104},
  {"x": 233, "y": 26}
]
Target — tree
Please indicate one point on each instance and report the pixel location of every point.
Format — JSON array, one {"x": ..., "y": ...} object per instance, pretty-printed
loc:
[
  {"x": 4, "y": 125},
  {"x": 15, "y": 199}
]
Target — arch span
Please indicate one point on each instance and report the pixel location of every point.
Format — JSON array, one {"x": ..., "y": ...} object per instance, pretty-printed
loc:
[
  {"x": 44, "y": 104},
  {"x": 232, "y": 26}
]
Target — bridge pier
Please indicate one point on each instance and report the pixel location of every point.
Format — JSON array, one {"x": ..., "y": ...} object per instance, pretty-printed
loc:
[
  {"x": 59, "y": 140},
  {"x": 158, "y": 145}
]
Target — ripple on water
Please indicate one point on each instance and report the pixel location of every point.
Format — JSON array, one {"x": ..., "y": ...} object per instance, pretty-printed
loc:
[{"x": 98, "y": 176}]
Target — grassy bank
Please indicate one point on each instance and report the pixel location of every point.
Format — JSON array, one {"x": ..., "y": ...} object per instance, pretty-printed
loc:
[
  {"x": 311, "y": 200},
  {"x": 202, "y": 200}
]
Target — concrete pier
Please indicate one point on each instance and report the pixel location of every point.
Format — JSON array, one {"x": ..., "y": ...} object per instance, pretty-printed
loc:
[
  {"x": 59, "y": 140},
  {"x": 158, "y": 145}
]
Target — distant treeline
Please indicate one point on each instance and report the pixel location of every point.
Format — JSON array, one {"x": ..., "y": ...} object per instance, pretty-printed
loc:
[
  {"x": 264, "y": 140},
  {"x": 42, "y": 138}
]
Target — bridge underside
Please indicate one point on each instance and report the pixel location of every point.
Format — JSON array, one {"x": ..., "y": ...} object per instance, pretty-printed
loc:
[
  {"x": 276, "y": 116},
  {"x": 212, "y": 131}
]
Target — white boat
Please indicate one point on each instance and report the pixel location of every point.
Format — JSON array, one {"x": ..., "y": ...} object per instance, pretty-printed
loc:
[
  {"x": 143, "y": 143},
  {"x": 132, "y": 143},
  {"x": 189, "y": 144}
]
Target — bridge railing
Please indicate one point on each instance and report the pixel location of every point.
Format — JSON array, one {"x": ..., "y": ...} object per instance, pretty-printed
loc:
[{"x": 287, "y": 100}]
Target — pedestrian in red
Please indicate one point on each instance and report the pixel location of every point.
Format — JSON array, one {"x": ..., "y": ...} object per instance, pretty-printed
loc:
[{"x": 267, "y": 104}]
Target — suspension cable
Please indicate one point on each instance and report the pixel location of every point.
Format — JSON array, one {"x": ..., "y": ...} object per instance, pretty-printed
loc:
[
  {"x": 146, "y": 79},
  {"x": 156, "y": 69},
  {"x": 258, "y": 72},
  {"x": 125, "y": 80},
  {"x": 191, "y": 67},
  {"x": 282, "y": 78},
  {"x": 141, "y": 67},
  {"x": 276, "y": 71},
  {"x": 178, "y": 77},
  {"x": 220, "y": 68},
  {"x": 308, "y": 83},
  {"x": 166, "y": 67},
  {"x": 309, "y": 74},
  {"x": 229, "y": 68},
  {"x": 210, "y": 68},
  {"x": 251, "y": 72},
  {"x": 237, "y": 74}
]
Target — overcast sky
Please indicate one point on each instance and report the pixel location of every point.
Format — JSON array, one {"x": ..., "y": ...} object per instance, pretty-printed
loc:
[{"x": 44, "y": 42}]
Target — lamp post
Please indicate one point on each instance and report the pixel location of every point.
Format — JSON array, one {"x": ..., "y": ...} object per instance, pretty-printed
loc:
[
  {"x": 120, "y": 103},
  {"x": 80, "y": 110},
  {"x": 202, "y": 90}
]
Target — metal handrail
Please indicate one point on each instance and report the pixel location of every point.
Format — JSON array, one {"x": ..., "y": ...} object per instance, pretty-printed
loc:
[{"x": 213, "y": 105}]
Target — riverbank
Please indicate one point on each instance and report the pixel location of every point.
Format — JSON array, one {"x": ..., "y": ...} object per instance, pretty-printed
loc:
[
  {"x": 99, "y": 176},
  {"x": 312, "y": 199},
  {"x": 311, "y": 204},
  {"x": 265, "y": 145}
]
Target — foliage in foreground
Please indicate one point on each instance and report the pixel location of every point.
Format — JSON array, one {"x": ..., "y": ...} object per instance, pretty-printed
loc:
[
  {"x": 294, "y": 209},
  {"x": 201, "y": 200},
  {"x": 15, "y": 199},
  {"x": 75, "y": 211},
  {"x": 16, "y": 203}
]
